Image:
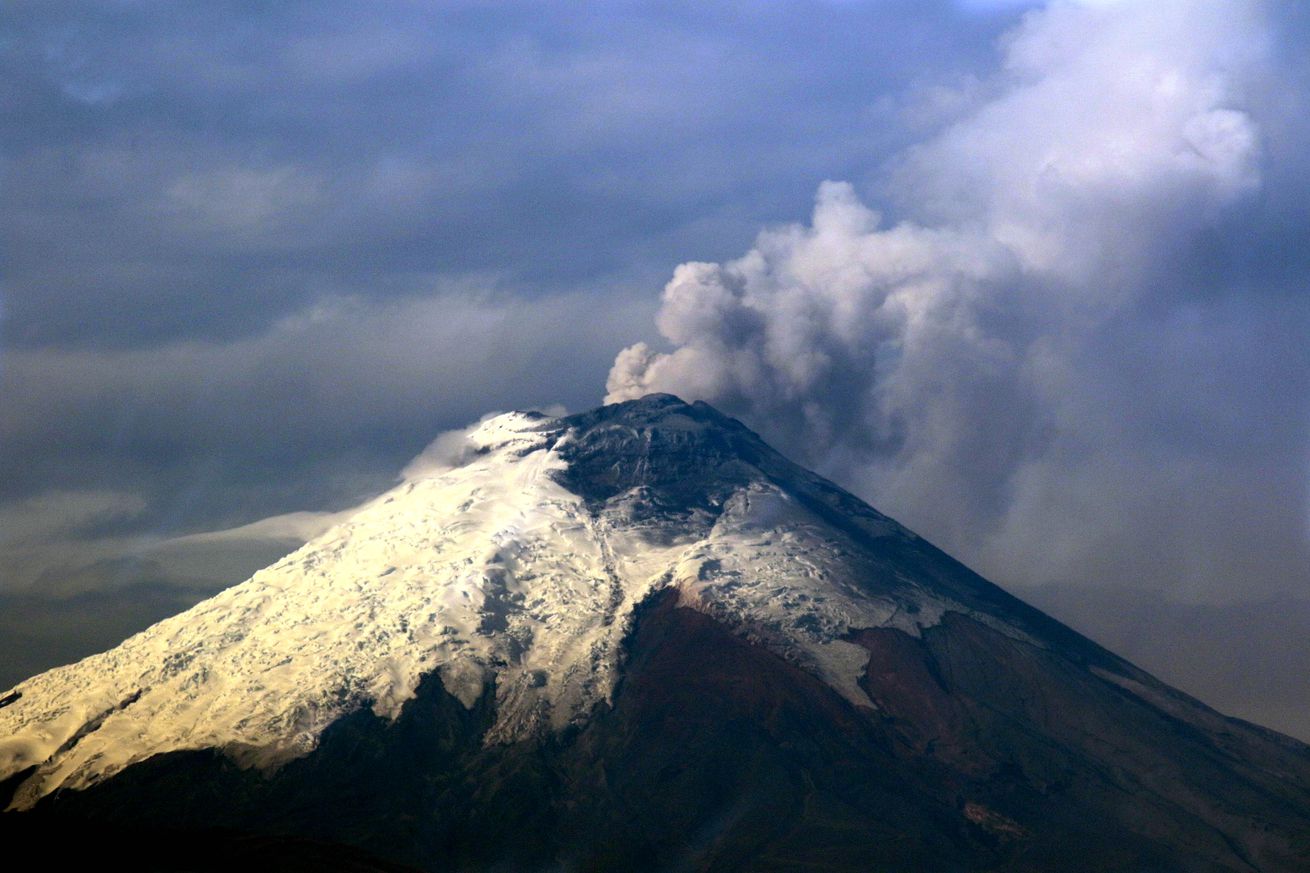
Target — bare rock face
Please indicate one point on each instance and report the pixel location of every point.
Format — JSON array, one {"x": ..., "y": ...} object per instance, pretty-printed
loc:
[{"x": 635, "y": 638}]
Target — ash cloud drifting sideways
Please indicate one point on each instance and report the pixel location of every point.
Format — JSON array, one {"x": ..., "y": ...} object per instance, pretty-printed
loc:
[{"x": 1076, "y": 357}]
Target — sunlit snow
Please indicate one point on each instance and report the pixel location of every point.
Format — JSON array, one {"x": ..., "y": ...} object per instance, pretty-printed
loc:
[{"x": 490, "y": 573}]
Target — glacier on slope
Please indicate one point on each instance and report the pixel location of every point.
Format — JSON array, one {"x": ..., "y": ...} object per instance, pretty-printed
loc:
[{"x": 517, "y": 569}]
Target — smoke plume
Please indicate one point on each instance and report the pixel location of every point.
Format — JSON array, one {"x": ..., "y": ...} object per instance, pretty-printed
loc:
[{"x": 1037, "y": 363}]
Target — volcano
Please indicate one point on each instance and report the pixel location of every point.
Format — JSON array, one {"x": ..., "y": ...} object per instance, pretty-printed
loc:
[{"x": 636, "y": 638}]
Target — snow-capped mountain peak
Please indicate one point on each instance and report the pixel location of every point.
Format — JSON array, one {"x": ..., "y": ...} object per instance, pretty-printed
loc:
[
  {"x": 637, "y": 638},
  {"x": 511, "y": 558}
]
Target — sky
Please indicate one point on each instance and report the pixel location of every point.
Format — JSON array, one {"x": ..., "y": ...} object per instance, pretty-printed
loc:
[{"x": 1032, "y": 278}]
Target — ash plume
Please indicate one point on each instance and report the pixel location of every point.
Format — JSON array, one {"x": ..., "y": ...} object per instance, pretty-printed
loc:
[{"x": 1040, "y": 361}]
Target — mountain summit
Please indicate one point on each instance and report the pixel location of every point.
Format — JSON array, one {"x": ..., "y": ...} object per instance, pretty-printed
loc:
[{"x": 639, "y": 638}]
